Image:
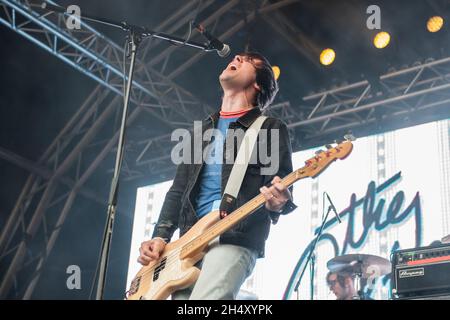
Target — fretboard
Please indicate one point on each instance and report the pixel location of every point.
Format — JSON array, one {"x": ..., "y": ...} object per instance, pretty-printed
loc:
[{"x": 236, "y": 216}]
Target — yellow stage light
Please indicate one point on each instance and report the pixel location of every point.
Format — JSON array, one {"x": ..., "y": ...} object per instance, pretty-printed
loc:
[
  {"x": 327, "y": 57},
  {"x": 435, "y": 24},
  {"x": 276, "y": 72},
  {"x": 382, "y": 40}
]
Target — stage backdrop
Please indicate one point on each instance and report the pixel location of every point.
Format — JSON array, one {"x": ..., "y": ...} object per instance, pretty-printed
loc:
[{"x": 392, "y": 192}]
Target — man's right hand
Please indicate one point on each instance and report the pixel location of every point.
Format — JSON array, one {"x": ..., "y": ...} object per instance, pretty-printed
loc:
[{"x": 151, "y": 250}]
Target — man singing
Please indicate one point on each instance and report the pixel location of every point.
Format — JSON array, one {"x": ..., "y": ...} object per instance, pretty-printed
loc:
[{"x": 249, "y": 86}]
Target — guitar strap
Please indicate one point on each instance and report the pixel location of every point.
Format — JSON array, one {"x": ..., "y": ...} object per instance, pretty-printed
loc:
[{"x": 240, "y": 167}]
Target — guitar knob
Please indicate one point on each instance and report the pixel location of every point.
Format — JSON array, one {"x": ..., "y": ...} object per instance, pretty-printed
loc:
[{"x": 329, "y": 146}]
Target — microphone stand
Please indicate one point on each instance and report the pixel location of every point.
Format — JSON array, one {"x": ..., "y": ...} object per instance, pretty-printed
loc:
[
  {"x": 310, "y": 256},
  {"x": 311, "y": 270},
  {"x": 135, "y": 34}
]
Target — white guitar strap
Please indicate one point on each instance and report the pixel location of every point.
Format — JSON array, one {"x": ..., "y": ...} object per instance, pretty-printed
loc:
[{"x": 240, "y": 166}]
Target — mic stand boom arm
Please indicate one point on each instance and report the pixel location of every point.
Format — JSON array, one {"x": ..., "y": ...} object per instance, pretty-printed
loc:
[{"x": 143, "y": 31}]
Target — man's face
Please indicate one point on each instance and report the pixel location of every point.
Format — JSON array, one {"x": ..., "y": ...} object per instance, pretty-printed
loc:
[
  {"x": 340, "y": 292},
  {"x": 240, "y": 73}
]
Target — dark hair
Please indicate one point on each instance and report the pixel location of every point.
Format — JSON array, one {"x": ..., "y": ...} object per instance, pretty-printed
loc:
[
  {"x": 340, "y": 278},
  {"x": 265, "y": 79}
]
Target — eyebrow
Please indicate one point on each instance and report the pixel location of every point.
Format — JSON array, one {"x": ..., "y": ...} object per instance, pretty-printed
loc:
[{"x": 256, "y": 61}]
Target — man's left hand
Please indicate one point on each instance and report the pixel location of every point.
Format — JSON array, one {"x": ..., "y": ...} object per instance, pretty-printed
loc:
[{"x": 276, "y": 196}]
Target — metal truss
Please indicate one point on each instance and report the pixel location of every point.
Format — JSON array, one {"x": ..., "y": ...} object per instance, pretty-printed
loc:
[
  {"x": 49, "y": 193},
  {"x": 397, "y": 93},
  {"x": 76, "y": 153},
  {"x": 101, "y": 59}
]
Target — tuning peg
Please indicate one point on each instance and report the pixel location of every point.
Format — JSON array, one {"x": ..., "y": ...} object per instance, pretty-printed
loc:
[{"x": 319, "y": 152}]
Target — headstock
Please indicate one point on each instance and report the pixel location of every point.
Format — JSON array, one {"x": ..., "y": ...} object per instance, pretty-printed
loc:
[{"x": 323, "y": 158}]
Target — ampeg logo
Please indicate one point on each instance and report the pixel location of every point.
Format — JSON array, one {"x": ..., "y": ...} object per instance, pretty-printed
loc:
[{"x": 418, "y": 272}]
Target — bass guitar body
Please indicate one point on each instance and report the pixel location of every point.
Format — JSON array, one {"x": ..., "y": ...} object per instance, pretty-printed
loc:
[{"x": 172, "y": 271}]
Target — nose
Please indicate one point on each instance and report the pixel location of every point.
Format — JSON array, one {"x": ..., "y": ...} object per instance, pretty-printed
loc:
[{"x": 238, "y": 58}]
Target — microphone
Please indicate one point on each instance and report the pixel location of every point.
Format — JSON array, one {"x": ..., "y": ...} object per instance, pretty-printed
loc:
[
  {"x": 223, "y": 50},
  {"x": 333, "y": 208}
]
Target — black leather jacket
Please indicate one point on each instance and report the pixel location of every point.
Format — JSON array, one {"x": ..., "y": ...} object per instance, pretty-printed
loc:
[{"x": 252, "y": 232}]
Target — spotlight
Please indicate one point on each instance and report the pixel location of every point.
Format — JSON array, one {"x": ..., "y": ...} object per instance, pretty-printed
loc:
[
  {"x": 327, "y": 57},
  {"x": 382, "y": 40},
  {"x": 276, "y": 72},
  {"x": 435, "y": 24}
]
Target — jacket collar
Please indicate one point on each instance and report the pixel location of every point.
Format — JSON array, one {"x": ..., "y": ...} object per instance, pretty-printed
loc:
[{"x": 246, "y": 120}]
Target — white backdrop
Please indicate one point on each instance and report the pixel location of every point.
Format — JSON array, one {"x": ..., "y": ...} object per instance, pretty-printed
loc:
[{"x": 393, "y": 191}]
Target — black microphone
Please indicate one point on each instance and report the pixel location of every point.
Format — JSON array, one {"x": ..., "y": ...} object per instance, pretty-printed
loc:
[
  {"x": 333, "y": 208},
  {"x": 223, "y": 50}
]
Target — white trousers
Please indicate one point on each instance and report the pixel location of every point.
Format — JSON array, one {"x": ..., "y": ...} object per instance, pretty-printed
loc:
[{"x": 224, "y": 269}]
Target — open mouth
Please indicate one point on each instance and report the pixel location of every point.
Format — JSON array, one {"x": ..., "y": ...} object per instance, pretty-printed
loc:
[{"x": 233, "y": 67}]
